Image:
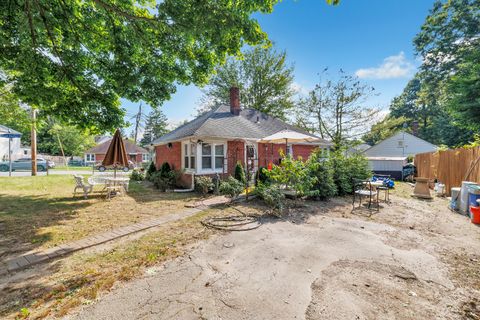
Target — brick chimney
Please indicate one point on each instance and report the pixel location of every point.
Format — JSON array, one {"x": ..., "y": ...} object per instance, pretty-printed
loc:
[
  {"x": 235, "y": 101},
  {"x": 415, "y": 128}
]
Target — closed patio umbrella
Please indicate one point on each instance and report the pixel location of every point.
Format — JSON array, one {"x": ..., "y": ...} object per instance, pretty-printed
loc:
[
  {"x": 288, "y": 136},
  {"x": 116, "y": 155}
]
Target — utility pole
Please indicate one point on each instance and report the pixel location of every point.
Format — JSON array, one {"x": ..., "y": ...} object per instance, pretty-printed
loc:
[
  {"x": 138, "y": 118},
  {"x": 34, "y": 142}
]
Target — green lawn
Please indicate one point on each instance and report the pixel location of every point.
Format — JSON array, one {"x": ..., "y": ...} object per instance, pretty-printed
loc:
[
  {"x": 73, "y": 168},
  {"x": 40, "y": 212}
]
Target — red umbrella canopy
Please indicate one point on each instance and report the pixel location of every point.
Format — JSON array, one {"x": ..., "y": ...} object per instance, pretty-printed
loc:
[{"x": 117, "y": 153}]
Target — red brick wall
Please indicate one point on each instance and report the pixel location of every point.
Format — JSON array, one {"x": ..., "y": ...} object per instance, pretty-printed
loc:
[
  {"x": 235, "y": 153},
  {"x": 99, "y": 157},
  {"x": 171, "y": 155},
  {"x": 303, "y": 151},
  {"x": 269, "y": 152}
]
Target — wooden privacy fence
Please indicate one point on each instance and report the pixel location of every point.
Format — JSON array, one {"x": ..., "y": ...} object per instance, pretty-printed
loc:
[{"x": 450, "y": 166}]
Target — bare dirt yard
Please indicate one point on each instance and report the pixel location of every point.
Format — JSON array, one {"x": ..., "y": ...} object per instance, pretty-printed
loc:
[{"x": 413, "y": 259}]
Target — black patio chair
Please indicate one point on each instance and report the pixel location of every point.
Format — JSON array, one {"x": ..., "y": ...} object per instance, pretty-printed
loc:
[
  {"x": 363, "y": 188},
  {"x": 384, "y": 188}
]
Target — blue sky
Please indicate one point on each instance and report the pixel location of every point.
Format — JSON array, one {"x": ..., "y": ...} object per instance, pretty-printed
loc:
[{"x": 372, "y": 39}]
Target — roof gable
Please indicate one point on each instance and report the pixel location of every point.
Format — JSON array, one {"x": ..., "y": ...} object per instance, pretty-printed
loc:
[
  {"x": 221, "y": 123},
  {"x": 389, "y": 147},
  {"x": 129, "y": 146}
]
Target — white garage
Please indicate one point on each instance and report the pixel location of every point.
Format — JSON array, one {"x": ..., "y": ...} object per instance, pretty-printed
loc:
[{"x": 392, "y": 166}]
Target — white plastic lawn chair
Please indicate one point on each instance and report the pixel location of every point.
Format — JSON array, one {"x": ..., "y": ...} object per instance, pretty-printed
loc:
[{"x": 80, "y": 184}]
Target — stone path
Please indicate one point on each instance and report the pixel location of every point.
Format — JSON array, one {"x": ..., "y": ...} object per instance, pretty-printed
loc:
[{"x": 25, "y": 261}]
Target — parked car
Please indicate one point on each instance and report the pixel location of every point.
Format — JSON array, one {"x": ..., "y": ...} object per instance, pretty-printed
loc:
[
  {"x": 26, "y": 164},
  {"x": 76, "y": 163},
  {"x": 100, "y": 167},
  {"x": 409, "y": 172}
]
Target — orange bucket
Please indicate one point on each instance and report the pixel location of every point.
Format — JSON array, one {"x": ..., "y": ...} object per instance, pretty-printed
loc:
[{"x": 475, "y": 211}]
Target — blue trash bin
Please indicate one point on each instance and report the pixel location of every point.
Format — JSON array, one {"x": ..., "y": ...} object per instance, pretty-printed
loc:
[{"x": 473, "y": 196}]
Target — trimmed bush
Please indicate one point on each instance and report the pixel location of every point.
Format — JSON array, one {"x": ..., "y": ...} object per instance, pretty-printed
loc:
[
  {"x": 203, "y": 184},
  {"x": 272, "y": 196},
  {"x": 165, "y": 168},
  {"x": 150, "y": 171},
  {"x": 164, "y": 181},
  {"x": 240, "y": 173},
  {"x": 262, "y": 175},
  {"x": 137, "y": 175},
  {"x": 231, "y": 187}
]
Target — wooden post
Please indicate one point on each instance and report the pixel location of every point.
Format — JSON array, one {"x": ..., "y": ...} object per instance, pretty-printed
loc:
[{"x": 34, "y": 143}]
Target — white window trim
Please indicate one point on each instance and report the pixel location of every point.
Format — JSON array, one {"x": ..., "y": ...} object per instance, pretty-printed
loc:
[
  {"x": 189, "y": 146},
  {"x": 198, "y": 158},
  {"x": 90, "y": 157},
  {"x": 145, "y": 157}
]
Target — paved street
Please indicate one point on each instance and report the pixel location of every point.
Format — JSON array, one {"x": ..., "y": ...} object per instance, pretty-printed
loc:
[{"x": 71, "y": 172}]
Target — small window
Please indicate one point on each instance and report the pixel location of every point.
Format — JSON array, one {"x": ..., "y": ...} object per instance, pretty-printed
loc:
[
  {"x": 186, "y": 157},
  {"x": 145, "y": 157},
  {"x": 400, "y": 143},
  {"x": 193, "y": 152},
  {"x": 189, "y": 151},
  {"x": 90, "y": 157},
  {"x": 219, "y": 156},
  {"x": 206, "y": 156}
]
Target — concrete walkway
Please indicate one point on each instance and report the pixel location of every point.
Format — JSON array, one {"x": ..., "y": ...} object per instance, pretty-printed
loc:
[{"x": 29, "y": 259}]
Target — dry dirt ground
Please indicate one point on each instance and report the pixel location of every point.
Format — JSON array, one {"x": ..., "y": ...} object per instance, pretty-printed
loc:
[{"x": 412, "y": 260}]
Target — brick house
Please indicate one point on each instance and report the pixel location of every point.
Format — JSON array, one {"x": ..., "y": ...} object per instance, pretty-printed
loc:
[
  {"x": 215, "y": 141},
  {"x": 135, "y": 153}
]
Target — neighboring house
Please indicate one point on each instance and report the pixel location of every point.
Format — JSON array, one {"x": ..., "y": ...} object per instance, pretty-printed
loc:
[
  {"x": 401, "y": 144},
  {"x": 360, "y": 148},
  {"x": 390, "y": 155},
  {"x": 135, "y": 153},
  {"x": 215, "y": 141},
  {"x": 15, "y": 146}
]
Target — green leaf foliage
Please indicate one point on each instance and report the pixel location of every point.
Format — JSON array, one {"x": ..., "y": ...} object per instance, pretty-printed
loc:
[
  {"x": 322, "y": 170},
  {"x": 239, "y": 173},
  {"x": 231, "y": 187},
  {"x": 272, "y": 196},
  {"x": 204, "y": 184},
  {"x": 263, "y": 77},
  {"x": 74, "y": 59},
  {"x": 346, "y": 168},
  {"x": 155, "y": 126}
]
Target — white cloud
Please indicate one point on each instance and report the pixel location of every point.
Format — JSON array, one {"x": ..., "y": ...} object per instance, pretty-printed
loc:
[
  {"x": 392, "y": 67},
  {"x": 299, "y": 89}
]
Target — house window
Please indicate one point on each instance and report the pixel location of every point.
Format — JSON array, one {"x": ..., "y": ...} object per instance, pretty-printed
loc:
[
  {"x": 145, "y": 157},
  {"x": 90, "y": 157},
  {"x": 206, "y": 156},
  {"x": 189, "y": 151},
  {"x": 212, "y": 157},
  {"x": 219, "y": 152},
  {"x": 400, "y": 143}
]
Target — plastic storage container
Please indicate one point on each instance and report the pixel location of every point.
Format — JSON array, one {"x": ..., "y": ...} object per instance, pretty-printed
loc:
[
  {"x": 455, "y": 193},
  {"x": 463, "y": 203},
  {"x": 473, "y": 196},
  {"x": 475, "y": 215}
]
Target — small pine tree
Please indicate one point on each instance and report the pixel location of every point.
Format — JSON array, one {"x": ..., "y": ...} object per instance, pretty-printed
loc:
[
  {"x": 150, "y": 171},
  {"x": 165, "y": 169},
  {"x": 324, "y": 186},
  {"x": 240, "y": 173}
]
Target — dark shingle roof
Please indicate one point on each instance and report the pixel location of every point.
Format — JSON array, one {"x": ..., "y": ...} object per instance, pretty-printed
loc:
[
  {"x": 221, "y": 123},
  {"x": 129, "y": 145}
]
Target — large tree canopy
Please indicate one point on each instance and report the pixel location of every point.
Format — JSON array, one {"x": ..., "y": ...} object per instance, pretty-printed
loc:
[
  {"x": 264, "y": 78},
  {"x": 449, "y": 42},
  {"x": 75, "y": 58}
]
